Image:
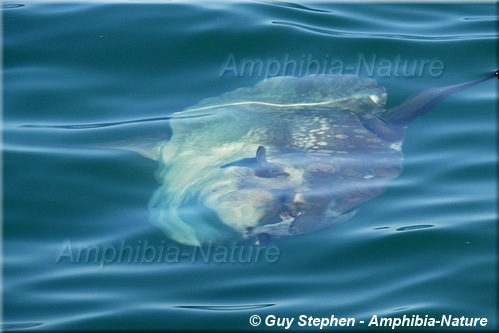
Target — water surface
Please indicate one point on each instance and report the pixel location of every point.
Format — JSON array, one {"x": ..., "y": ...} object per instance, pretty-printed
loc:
[{"x": 427, "y": 246}]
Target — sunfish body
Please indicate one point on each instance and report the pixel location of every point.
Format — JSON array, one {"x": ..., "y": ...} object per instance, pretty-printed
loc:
[{"x": 288, "y": 156}]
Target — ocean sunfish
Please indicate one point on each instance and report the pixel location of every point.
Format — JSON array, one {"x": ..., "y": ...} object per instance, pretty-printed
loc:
[{"x": 288, "y": 156}]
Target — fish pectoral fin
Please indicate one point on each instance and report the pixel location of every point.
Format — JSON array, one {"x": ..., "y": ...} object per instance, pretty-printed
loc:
[
  {"x": 261, "y": 155},
  {"x": 254, "y": 163}
]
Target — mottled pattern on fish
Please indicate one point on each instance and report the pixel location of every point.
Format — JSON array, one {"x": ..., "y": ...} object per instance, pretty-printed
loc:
[{"x": 330, "y": 138}]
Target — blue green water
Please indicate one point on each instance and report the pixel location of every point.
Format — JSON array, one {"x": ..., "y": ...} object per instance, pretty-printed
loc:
[{"x": 427, "y": 246}]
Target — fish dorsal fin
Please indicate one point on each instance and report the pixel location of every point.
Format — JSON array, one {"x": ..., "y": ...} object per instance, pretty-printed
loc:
[
  {"x": 422, "y": 102},
  {"x": 261, "y": 155}
]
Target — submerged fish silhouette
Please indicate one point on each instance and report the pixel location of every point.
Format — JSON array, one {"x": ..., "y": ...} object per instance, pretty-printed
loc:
[{"x": 331, "y": 147}]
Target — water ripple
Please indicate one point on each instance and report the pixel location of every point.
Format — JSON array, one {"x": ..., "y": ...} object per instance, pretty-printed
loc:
[
  {"x": 294, "y": 6},
  {"x": 19, "y": 326},
  {"x": 481, "y": 18},
  {"x": 347, "y": 34},
  {"x": 225, "y": 307},
  {"x": 11, "y": 6},
  {"x": 114, "y": 123},
  {"x": 415, "y": 227}
]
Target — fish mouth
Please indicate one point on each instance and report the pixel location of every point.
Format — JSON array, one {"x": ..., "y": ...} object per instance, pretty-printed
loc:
[
  {"x": 289, "y": 213},
  {"x": 268, "y": 233},
  {"x": 303, "y": 217}
]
